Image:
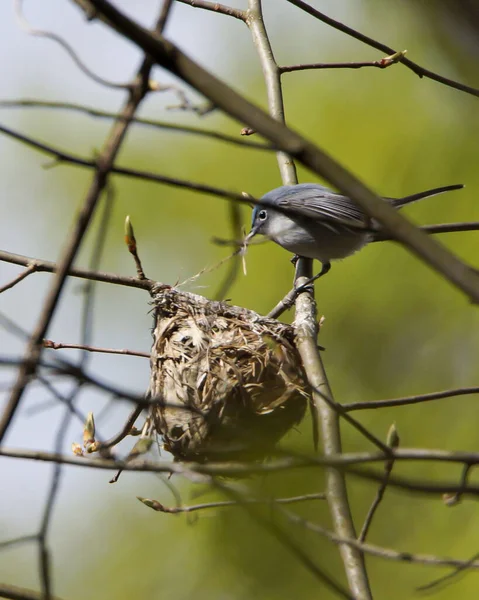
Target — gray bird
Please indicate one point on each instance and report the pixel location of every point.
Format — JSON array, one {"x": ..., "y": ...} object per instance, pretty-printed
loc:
[{"x": 315, "y": 222}]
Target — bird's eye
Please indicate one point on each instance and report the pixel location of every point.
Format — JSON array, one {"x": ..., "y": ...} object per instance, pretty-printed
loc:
[{"x": 262, "y": 215}]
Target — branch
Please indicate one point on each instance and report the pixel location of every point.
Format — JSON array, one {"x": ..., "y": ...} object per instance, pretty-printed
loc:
[
  {"x": 46, "y": 266},
  {"x": 157, "y": 506},
  {"x": 31, "y": 268},
  {"x": 101, "y": 114},
  {"x": 217, "y": 8},
  {"x": 417, "y": 69},
  {"x": 393, "y": 442},
  {"x": 410, "y": 399},
  {"x": 60, "y": 346},
  {"x": 383, "y": 63},
  {"x": 68, "y": 49},
  {"x": 347, "y": 461},
  {"x": 61, "y": 156},
  {"x": 379, "y": 551},
  {"x": 12, "y": 592}
]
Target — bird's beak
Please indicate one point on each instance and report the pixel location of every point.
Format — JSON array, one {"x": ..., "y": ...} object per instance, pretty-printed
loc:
[{"x": 250, "y": 236}]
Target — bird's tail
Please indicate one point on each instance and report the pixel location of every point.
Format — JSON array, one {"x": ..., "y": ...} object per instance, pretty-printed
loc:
[{"x": 399, "y": 202}]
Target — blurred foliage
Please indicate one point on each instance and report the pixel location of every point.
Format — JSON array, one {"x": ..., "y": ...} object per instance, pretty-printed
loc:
[{"x": 392, "y": 327}]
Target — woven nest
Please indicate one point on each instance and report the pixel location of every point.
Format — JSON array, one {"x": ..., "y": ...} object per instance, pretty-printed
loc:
[{"x": 238, "y": 375}]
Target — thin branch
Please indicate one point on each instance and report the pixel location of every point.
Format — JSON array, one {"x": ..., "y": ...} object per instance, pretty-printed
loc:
[
  {"x": 217, "y": 8},
  {"x": 417, "y": 69},
  {"x": 379, "y": 551},
  {"x": 410, "y": 399},
  {"x": 13, "y": 592},
  {"x": 24, "y": 539},
  {"x": 346, "y": 461},
  {"x": 388, "y": 467},
  {"x": 383, "y": 63},
  {"x": 31, "y": 268},
  {"x": 122, "y": 434},
  {"x": 449, "y": 576},
  {"x": 60, "y": 346},
  {"x": 51, "y": 267},
  {"x": 68, "y": 49},
  {"x": 101, "y": 114},
  {"x": 64, "y": 157},
  {"x": 157, "y": 506}
]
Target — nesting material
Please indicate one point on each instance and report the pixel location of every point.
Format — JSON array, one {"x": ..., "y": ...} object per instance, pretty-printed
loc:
[{"x": 238, "y": 375}]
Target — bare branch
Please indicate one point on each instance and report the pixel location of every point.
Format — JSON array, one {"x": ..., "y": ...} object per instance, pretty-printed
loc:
[
  {"x": 68, "y": 49},
  {"x": 121, "y": 435},
  {"x": 217, "y": 8},
  {"x": 61, "y": 346},
  {"x": 410, "y": 399},
  {"x": 157, "y": 506},
  {"x": 383, "y": 63},
  {"x": 417, "y": 69},
  {"x": 393, "y": 442},
  {"x": 13, "y": 592},
  {"x": 31, "y": 268},
  {"x": 101, "y": 114},
  {"x": 65, "y": 157},
  {"x": 379, "y": 551},
  {"x": 51, "y": 267}
]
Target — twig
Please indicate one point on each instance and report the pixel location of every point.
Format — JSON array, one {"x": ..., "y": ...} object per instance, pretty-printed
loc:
[
  {"x": 68, "y": 49},
  {"x": 31, "y": 268},
  {"x": 94, "y": 112},
  {"x": 130, "y": 241},
  {"x": 24, "y": 539},
  {"x": 383, "y": 63},
  {"x": 13, "y": 592},
  {"x": 65, "y": 157},
  {"x": 51, "y": 267},
  {"x": 446, "y": 578},
  {"x": 157, "y": 506},
  {"x": 410, "y": 399},
  {"x": 455, "y": 498},
  {"x": 393, "y": 442},
  {"x": 378, "y": 551},
  {"x": 217, "y": 8},
  {"x": 348, "y": 462},
  {"x": 122, "y": 434},
  {"x": 417, "y": 69},
  {"x": 60, "y": 346}
]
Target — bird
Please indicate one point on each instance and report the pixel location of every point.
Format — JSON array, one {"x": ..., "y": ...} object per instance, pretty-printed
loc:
[{"x": 312, "y": 221}]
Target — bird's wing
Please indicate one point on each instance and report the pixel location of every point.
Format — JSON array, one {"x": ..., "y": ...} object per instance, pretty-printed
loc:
[{"x": 319, "y": 203}]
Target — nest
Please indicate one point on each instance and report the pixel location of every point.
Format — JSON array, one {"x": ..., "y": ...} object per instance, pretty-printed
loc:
[{"x": 230, "y": 382}]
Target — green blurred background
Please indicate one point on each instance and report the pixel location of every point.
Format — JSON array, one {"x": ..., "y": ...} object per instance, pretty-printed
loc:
[{"x": 392, "y": 326}]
